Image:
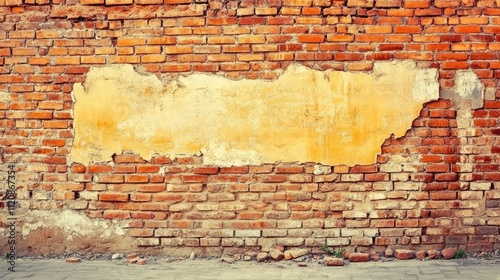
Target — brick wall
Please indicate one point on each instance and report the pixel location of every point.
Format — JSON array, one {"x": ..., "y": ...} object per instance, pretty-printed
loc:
[{"x": 437, "y": 186}]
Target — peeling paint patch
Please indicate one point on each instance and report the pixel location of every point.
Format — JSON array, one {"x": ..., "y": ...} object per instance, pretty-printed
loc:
[{"x": 329, "y": 117}]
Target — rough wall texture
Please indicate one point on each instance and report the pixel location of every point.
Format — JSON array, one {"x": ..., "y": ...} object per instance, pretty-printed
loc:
[{"x": 435, "y": 186}]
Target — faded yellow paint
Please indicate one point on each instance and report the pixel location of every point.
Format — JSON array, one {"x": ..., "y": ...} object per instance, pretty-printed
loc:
[{"x": 305, "y": 115}]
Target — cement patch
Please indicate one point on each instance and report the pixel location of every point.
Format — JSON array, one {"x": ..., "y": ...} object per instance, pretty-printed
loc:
[
  {"x": 71, "y": 223},
  {"x": 65, "y": 230}
]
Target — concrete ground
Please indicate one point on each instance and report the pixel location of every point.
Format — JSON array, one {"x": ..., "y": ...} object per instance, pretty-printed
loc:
[{"x": 56, "y": 269}]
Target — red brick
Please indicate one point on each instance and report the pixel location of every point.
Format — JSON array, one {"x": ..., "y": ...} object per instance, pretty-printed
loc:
[
  {"x": 78, "y": 168},
  {"x": 428, "y": 12},
  {"x": 206, "y": 68},
  {"x": 406, "y": 223},
  {"x": 290, "y": 47},
  {"x": 289, "y": 169},
  {"x": 221, "y": 21},
  {"x": 221, "y": 40},
  {"x": 193, "y": 22},
  {"x": 152, "y": 58},
  {"x": 194, "y": 178},
  {"x": 455, "y": 65},
  {"x": 340, "y": 38},
  {"x": 382, "y": 223},
  {"x": 359, "y": 257},
  {"x": 364, "y": 169},
  {"x": 234, "y": 170},
  {"x": 415, "y": 55},
  {"x": 431, "y": 158},
  {"x": 39, "y": 60},
  {"x": 443, "y": 195},
  {"x": 23, "y": 105},
  {"x": 251, "y": 39},
  {"x": 402, "y": 254},
  {"x": 127, "y": 42},
  {"x": 119, "y": 2},
  {"x": 250, "y": 57},
  {"x": 391, "y": 47},
  {"x": 54, "y": 142},
  {"x": 266, "y": 11},
  {"x": 311, "y": 11},
  {"x": 209, "y": 30},
  {"x": 161, "y": 160},
  {"x": 124, "y": 169},
  {"x": 235, "y": 67},
  {"x": 370, "y": 38},
  {"x": 408, "y": 29},
  {"x": 91, "y": 2},
  {"x": 435, "y": 187},
  {"x": 148, "y": 168},
  {"x": 451, "y": 38},
  {"x": 136, "y": 178},
  {"x": 99, "y": 168},
  {"x": 376, "y": 177},
  {"x": 492, "y": 11},
  {"x": 467, "y": 29},
  {"x": 388, "y": 3},
  {"x": 448, "y": 253},
  {"x": 446, "y": 177},
  {"x": 273, "y": 178},
  {"x": 378, "y": 29},
  {"x": 417, "y": 3},
  {"x": 161, "y": 41},
  {"x": 140, "y": 197},
  {"x": 178, "y": 49},
  {"x": 295, "y": 29},
  {"x": 304, "y": 56},
  {"x": 262, "y": 188},
  {"x": 114, "y": 197},
  {"x": 127, "y": 158},
  {"x": 206, "y": 170},
  {"x": 384, "y": 241},
  {"x": 141, "y": 215},
  {"x": 310, "y": 38},
  {"x": 452, "y": 56},
  {"x": 111, "y": 179},
  {"x": 306, "y": 3},
  {"x": 150, "y": 188},
  {"x": 116, "y": 214},
  {"x": 280, "y": 56},
  {"x": 39, "y": 115},
  {"x": 483, "y": 56},
  {"x": 176, "y": 68},
  {"x": 348, "y": 56},
  {"x": 21, "y": 34}
]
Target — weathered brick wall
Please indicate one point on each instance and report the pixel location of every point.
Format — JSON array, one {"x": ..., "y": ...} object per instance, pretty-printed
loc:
[{"x": 435, "y": 187}]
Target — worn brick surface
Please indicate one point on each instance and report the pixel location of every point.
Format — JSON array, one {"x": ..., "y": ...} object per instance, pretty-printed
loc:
[{"x": 425, "y": 191}]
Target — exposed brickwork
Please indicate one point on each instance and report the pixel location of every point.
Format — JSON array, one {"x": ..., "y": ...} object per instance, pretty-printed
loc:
[{"x": 427, "y": 190}]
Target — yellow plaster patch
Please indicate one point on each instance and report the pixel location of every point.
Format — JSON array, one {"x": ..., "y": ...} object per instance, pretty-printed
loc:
[{"x": 305, "y": 115}]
